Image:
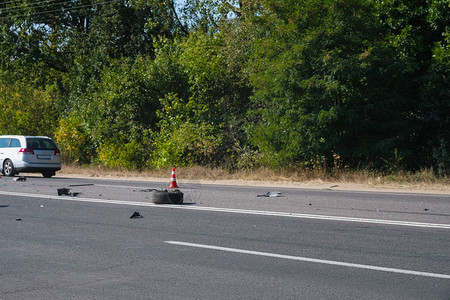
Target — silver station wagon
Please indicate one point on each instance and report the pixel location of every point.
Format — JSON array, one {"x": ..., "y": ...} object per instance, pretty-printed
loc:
[{"x": 20, "y": 153}]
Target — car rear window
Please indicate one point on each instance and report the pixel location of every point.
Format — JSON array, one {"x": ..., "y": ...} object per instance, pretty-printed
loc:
[{"x": 40, "y": 144}]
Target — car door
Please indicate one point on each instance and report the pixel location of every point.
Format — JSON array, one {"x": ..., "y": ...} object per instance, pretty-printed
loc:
[
  {"x": 13, "y": 151},
  {"x": 4, "y": 142}
]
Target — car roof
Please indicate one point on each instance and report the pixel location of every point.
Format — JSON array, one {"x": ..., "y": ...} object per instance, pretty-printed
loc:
[{"x": 25, "y": 136}]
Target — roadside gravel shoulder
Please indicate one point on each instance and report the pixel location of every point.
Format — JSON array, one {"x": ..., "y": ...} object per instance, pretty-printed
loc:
[{"x": 317, "y": 184}]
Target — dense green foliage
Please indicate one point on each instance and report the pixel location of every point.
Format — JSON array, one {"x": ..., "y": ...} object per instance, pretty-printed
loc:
[{"x": 236, "y": 84}]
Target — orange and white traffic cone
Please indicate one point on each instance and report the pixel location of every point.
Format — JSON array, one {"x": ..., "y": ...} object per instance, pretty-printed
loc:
[{"x": 173, "y": 180}]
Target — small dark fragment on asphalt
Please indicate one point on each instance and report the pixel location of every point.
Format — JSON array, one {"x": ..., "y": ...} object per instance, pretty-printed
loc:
[
  {"x": 426, "y": 209},
  {"x": 147, "y": 190},
  {"x": 136, "y": 215},
  {"x": 64, "y": 191},
  {"x": 20, "y": 178},
  {"x": 18, "y": 219}
]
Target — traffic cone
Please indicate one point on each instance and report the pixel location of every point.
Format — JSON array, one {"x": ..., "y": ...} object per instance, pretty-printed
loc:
[{"x": 173, "y": 180}]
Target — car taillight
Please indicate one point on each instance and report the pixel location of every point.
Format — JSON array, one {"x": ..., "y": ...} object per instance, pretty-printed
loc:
[
  {"x": 57, "y": 152},
  {"x": 26, "y": 151}
]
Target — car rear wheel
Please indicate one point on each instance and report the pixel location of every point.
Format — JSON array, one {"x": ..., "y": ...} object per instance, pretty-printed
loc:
[
  {"x": 8, "y": 168},
  {"x": 48, "y": 174}
]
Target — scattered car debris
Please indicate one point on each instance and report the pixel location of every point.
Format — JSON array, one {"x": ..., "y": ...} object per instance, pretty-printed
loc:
[
  {"x": 18, "y": 219},
  {"x": 68, "y": 192},
  {"x": 20, "y": 178},
  {"x": 146, "y": 190},
  {"x": 274, "y": 194},
  {"x": 331, "y": 187},
  {"x": 64, "y": 191},
  {"x": 136, "y": 215},
  {"x": 271, "y": 194}
]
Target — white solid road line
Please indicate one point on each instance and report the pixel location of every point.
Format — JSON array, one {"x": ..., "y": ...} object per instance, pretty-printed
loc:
[
  {"x": 312, "y": 260},
  {"x": 238, "y": 211}
]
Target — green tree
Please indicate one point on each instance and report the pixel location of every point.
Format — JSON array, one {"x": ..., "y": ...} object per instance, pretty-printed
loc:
[
  {"x": 326, "y": 86},
  {"x": 120, "y": 107},
  {"x": 435, "y": 107},
  {"x": 217, "y": 80},
  {"x": 25, "y": 110},
  {"x": 184, "y": 137},
  {"x": 418, "y": 30}
]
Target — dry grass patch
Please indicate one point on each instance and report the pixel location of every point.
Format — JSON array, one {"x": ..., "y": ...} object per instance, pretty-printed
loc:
[{"x": 424, "y": 180}]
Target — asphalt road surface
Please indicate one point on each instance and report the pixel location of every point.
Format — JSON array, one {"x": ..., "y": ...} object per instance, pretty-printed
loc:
[{"x": 224, "y": 242}]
